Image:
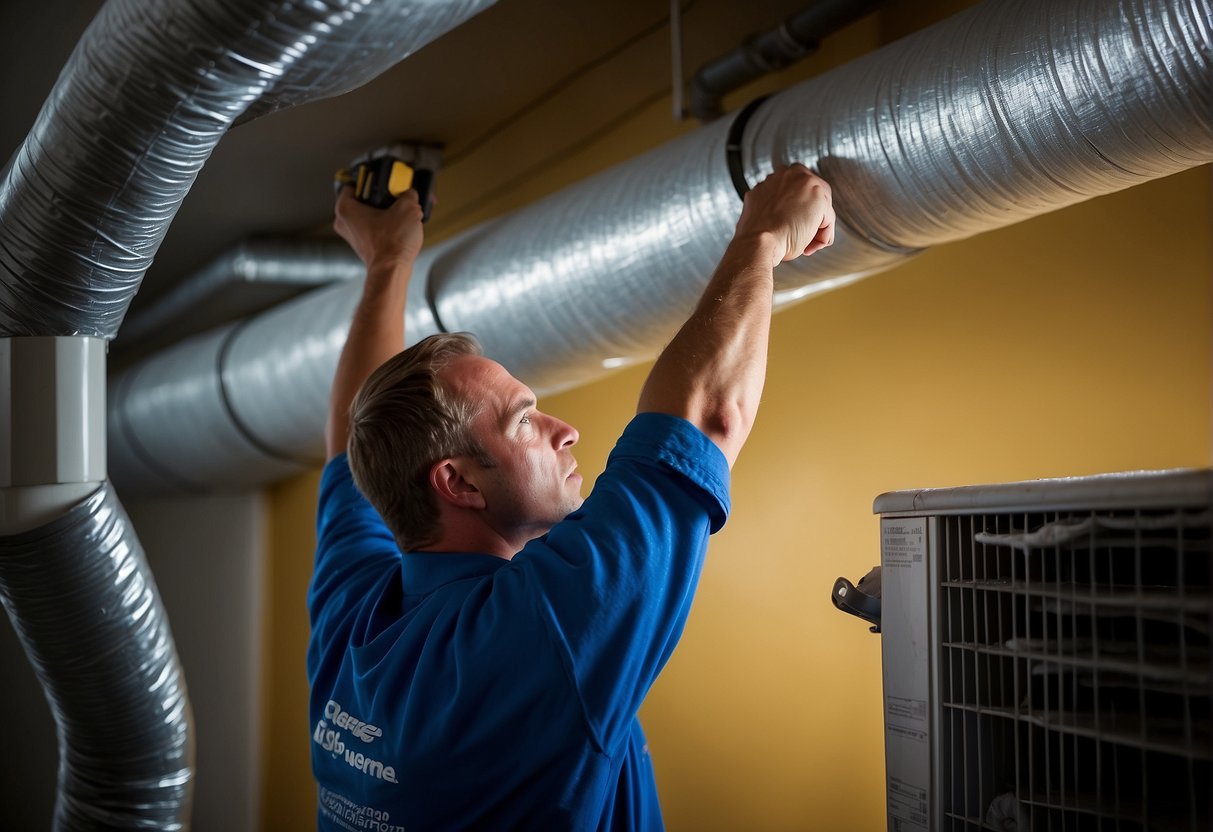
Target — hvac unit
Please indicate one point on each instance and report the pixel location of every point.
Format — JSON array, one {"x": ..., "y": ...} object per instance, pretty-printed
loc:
[{"x": 1046, "y": 654}]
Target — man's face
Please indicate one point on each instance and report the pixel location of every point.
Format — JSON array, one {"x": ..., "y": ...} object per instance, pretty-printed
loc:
[{"x": 534, "y": 483}]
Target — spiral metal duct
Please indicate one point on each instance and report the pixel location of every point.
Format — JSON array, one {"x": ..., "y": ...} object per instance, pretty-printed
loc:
[
  {"x": 84, "y": 204},
  {"x": 265, "y": 264},
  {"x": 1009, "y": 110},
  {"x": 251, "y": 396}
]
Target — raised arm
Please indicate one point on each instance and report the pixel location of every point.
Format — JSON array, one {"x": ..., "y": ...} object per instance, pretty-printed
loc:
[
  {"x": 713, "y": 371},
  {"x": 387, "y": 241}
]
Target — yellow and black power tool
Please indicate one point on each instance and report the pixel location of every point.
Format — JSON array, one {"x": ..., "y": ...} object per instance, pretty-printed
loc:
[{"x": 380, "y": 177}]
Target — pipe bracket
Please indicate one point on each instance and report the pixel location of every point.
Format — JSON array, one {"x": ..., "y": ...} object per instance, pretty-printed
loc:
[{"x": 732, "y": 146}]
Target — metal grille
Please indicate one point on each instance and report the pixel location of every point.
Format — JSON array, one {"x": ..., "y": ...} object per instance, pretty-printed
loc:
[
  {"x": 1046, "y": 651},
  {"x": 1073, "y": 670}
]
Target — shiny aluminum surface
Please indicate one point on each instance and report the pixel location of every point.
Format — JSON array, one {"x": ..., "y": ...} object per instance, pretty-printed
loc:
[
  {"x": 81, "y": 597},
  {"x": 148, "y": 92},
  {"x": 1003, "y": 112},
  {"x": 1009, "y": 110}
]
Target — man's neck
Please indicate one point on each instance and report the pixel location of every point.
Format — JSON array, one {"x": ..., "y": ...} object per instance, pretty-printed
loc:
[{"x": 468, "y": 532}]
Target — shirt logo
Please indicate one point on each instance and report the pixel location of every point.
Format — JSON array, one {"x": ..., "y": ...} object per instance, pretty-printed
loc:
[
  {"x": 330, "y": 740},
  {"x": 344, "y": 719}
]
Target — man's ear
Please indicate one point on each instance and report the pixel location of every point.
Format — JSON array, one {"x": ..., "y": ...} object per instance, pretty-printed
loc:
[{"x": 447, "y": 480}]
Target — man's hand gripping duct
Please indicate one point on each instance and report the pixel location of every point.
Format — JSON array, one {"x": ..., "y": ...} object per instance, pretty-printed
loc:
[{"x": 84, "y": 205}]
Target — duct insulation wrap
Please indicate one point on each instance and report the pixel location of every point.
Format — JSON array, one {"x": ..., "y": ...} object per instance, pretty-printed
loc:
[
  {"x": 245, "y": 404},
  {"x": 1055, "y": 101},
  {"x": 242, "y": 280},
  {"x": 143, "y": 100},
  {"x": 602, "y": 274},
  {"x": 82, "y": 600},
  {"x": 1001, "y": 113}
]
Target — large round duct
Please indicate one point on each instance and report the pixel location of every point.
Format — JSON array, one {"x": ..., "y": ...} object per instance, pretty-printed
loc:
[{"x": 1009, "y": 110}]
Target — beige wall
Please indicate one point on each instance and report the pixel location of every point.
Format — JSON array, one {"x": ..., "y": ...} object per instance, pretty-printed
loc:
[{"x": 1074, "y": 343}]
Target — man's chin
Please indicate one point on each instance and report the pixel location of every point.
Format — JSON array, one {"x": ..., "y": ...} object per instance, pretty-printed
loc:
[{"x": 571, "y": 506}]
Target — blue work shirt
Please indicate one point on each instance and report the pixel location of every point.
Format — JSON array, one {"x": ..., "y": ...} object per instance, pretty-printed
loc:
[{"x": 463, "y": 690}]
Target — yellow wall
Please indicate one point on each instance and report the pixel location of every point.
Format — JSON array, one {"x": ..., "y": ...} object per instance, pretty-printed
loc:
[
  {"x": 1074, "y": 343},
  {"x": 288, "y": 799}
]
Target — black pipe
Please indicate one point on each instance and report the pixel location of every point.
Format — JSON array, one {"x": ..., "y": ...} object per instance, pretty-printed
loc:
[{"x": 795, "y": 38}]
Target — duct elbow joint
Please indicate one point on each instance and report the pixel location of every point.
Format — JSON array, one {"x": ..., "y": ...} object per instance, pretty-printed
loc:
[{"x": 52, "y": 426}]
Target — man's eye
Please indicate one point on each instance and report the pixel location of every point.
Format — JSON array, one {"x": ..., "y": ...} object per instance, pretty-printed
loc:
[{"x": 526, "y": 420}]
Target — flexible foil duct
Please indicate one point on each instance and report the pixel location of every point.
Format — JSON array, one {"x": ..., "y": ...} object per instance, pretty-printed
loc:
[
  {"x": 145, "y": 97},
  {"x": 79, "y": 594},
  {"x": 1010, "y": 110},
  {"x": 1003, "y": 112},
  {"x": 186, "y": 400},
  {"x": 270, "y": 265},
  {"x": 253, "y": 397},
  {"x": 273, "y": 358},
  {"x": 603, "y": 273}
]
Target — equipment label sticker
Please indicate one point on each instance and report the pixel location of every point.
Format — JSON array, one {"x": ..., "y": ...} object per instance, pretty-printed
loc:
[
  {"x": 906, "y": 717},
  {"x": 907, "y": 806},
  {"x": 903, "y": 543}
]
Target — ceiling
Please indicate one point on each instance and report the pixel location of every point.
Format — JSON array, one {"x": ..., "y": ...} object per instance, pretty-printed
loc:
[{"x": 582, "y": 65}]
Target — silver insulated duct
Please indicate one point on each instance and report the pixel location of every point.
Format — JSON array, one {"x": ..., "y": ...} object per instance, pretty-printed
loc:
[
  {"x": 81, "y": 597},
  {"x": 1004, "y": 112},
  {"x": 84, "y": 203}
]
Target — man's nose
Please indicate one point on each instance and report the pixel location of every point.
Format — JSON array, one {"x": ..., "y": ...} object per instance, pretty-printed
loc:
[{"x": 565, "y": 434}]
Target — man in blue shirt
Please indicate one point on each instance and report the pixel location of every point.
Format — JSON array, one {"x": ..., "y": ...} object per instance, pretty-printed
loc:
[{"x": 481, "y": 637}]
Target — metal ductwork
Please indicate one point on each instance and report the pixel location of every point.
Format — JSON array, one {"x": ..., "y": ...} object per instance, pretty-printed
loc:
[
  {"x": 245, "y": 279},
  {"x": 1009, "y": 110},
  {"x": 84, "y": 204},
  {"x": 83, "y": 602},
  {"x": 147, "y": 94}
]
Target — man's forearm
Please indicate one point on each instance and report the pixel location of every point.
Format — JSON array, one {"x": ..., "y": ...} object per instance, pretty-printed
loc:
[
  {"x": 387, "y": 241},
  {"x": 712, "y": 373},
  {"x": 376, "y": 334}
]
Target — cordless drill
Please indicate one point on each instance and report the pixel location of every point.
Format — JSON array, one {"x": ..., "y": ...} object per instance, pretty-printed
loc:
[{"x": 378, "y": 181}]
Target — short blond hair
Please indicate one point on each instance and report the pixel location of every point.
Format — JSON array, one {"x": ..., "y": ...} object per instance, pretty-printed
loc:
[{"x": 402, "y": 421}]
